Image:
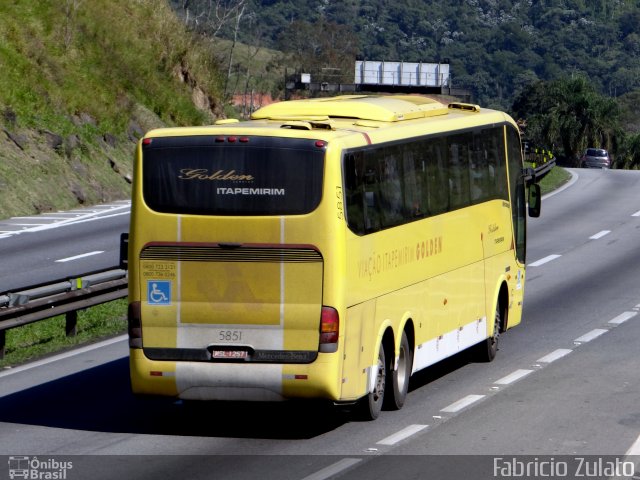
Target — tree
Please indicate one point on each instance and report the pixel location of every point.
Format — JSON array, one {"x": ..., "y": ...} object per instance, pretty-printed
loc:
[
  {"x": 210, "y": 16},
  {"x": 239, "y": 12},
  {"x": 498, "y": 40},
  {"x": 570, "y": 114},
  {"x": 630, "y": 152},
  {"x": 324, "y": 49}
]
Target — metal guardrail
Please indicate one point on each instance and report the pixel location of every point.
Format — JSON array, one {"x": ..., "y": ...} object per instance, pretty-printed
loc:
[
  {"x": 542, "y": 170},
  {"x": 60, "y": 297},
  {"x": 540, "y": 159}
]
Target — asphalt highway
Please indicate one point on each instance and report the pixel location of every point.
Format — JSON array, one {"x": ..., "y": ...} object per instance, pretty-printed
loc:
[
  {"x": 561, "y": 397},
  {"x": 59, "y": 245}
]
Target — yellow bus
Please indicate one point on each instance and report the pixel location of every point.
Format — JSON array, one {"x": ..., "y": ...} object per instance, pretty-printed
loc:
[{"x": 326, "y": 248}]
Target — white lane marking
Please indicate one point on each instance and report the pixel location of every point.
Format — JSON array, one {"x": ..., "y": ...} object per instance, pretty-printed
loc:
[
  {"x": 77, "y": 257},
  {"x": 72, "y": 221},
  {"x": 635, "y": 448},
  {"x": 512, "y": 377},
  {"x": 553, "y": 356},
  {"x": 593, "y": 334},
  {"x": 334, "y": 469},
  {"x": 600, "y": 234},
  {"x": 637, "y": 214},
  {"x": 623, "y": 317},
  {"x": 62, "y": 356},
  {"x": 39, "y": 217},
  {"x": 544, "y": 260},
  {"x": 402, "y": 434},
  {"x": 77, "y": 218},
  {"x": 462, "y": 403}
]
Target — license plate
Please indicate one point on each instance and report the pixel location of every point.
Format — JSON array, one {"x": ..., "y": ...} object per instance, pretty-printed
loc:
[{"x": 231, "y": 354}]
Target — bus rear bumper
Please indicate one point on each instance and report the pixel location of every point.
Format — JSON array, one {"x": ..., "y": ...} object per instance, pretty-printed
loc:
[{"x": 235, "y": 381}]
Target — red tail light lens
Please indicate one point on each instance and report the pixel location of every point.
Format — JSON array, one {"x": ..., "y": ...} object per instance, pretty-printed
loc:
[{"x": 329, "y": 330}]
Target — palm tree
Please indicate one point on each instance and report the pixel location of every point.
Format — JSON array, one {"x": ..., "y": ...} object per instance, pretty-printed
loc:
[
  {"x": 630, "y": 152},
  {"x": 570, "y": 113}
]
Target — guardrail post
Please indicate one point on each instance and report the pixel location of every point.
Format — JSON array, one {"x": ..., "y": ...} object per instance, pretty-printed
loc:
[{"x": 71, "y": 327}]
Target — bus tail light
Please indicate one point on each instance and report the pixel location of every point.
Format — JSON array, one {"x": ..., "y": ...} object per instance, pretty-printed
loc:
[
  {"x": 329, "y": 330},
  {"x": 135, "y": 325}
]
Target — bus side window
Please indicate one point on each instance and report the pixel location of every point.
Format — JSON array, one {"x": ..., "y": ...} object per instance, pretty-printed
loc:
[
  {"x": 355, "y": 192},
  {"x": 480, "y": 186},
  {"x": 421, "y": 173},
  {"x": 501, "y": 179},
  {"x": 491, "y": 157},
  {"x": 437, "y": 177},
  {"x": 415, "y": 205},
  {"x": 391, "y": 204},
  {"x": 372, "y": 215},
  {"x": 459, "y": 171}
]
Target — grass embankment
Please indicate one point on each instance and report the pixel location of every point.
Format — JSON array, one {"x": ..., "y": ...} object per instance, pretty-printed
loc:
[
  {"x": 80, "y": 82},
  {"x": 42, "y": 338},
  {"x": 554, "y": 179}
]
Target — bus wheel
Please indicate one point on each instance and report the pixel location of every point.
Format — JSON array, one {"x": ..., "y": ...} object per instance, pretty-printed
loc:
[
  {"x": 398, "y": 388},
  {"x": 369, "y": 407},
  {"x": 486, "y": 351}
]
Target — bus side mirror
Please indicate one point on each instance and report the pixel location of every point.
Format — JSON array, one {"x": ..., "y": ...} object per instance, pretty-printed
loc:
[{"x": 535, "y": 200}]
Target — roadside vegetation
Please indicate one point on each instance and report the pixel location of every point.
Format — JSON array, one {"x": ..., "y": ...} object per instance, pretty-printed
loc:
[
  {"x": 556, "y": 178},
  {"x": 568, "y": 115},
  {"x": 46, "y": 337}
]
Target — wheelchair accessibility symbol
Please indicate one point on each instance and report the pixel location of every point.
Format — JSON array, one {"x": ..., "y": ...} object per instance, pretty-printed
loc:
[{"x": 158, "y": 292}]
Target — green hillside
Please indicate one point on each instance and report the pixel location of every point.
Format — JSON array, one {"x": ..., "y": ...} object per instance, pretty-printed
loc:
[
  {"x": 567, "y": 69},
  {"x": 81, "y": 81},
  {"x": 495, "y": 47}
]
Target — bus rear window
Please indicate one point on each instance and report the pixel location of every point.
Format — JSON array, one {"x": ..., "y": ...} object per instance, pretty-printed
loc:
[{"x": 207, "y": 175}]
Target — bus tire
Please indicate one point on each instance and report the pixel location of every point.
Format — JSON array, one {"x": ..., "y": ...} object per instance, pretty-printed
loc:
[
  {"x": 398, "y": 387},
  {"x": 369, "y": 406},
  {"x": 486, "y": 350}
]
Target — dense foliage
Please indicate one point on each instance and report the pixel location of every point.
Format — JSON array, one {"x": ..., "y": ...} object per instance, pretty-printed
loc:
[
  {"x": 572, "y": 67},
  {"x": 495, "y": 47},
  {"x": 569, "y": 112}
]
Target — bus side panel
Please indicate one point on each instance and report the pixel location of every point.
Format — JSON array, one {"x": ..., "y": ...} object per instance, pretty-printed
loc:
[
  {"x": 500, "y": 263},
  {"x": 431, "y": 271},
  {"x": 516, "y": 295},
  {"x": 359, "y": 337},
  {"x": 320, "y": 379},
  {"x": 503, "y": 268},
  {"x": 448, "y": 313},
  {"x": 455, "y": 315},
  {"x": 151, "y": 378}
]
